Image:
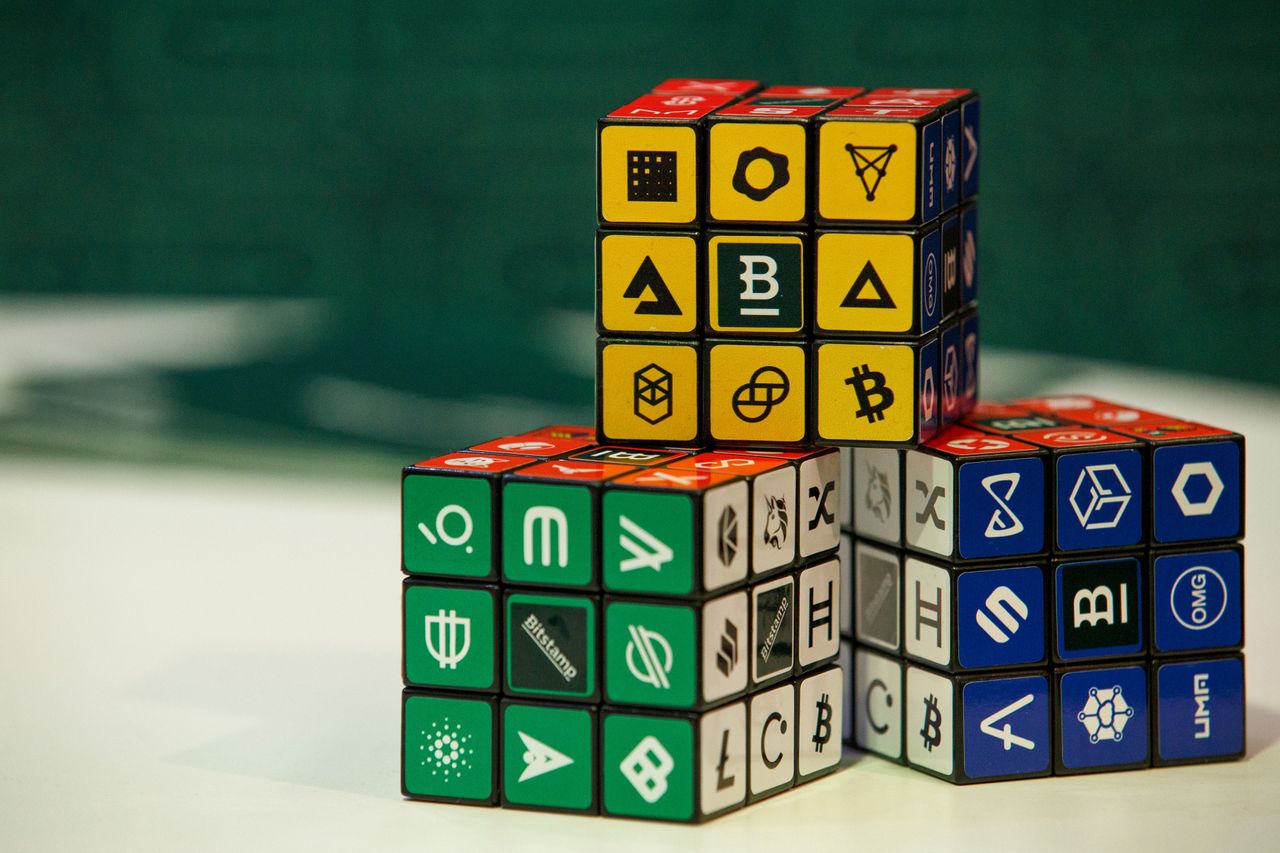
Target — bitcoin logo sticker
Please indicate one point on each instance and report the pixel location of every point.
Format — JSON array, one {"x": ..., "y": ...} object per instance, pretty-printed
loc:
[
  {"x": 866, "y": 392},
  {"x": 757, "y": 392}
]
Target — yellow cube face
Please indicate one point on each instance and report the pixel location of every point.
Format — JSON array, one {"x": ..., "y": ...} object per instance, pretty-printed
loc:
[
  {"x": 866, "y": 392},
  {"x": 757, "y": 392},
  {"x": 649, "y": 174},
  {"x": 867, "y": 171},
  {"x": 648, "y": 283},
  {"x": 648, "y": 392},
  {"x": 758, "y": 172},
  {"x": 867, "y": 283}
]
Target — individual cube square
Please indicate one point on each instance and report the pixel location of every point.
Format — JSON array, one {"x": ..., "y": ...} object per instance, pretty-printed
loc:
[
  {"x": 449, "y": 514},
  {"x": 951, "y": 373},
  {"x": 551, "y": 523},
  {"x": 980, "y": 618},
  {"x": 812, "y": 91},
  {"x": 771, "y": 739},
  {"x": 875, "y": 393},
  {"x": 1197, "y": 601},
  {"x": 877, "y": 596},
  {"x": 673, "y": 531},
  {"x": 969, "y": 365},
  {"x": 1097, "y": 487},
  {"x": 550, "y": 646},
  {"x": 978, "y": 728},
  {"x": 820, "y": 498},
  {"x": 818, "y": 623},
  {"x": 952, "y": 296},
  {"x": 1009, "y": 419},
  {"x": 969, "y": 255},
  {"x": 636, "y": 457},
  {"x": 758, "y": 150},
  {"x": 969, "y": 121},
  {"x": 686, "y": 655},
  {"x": 820, "y": 719},
  {"x": 1197, "y": 480},
  {"x": 1102, "y": 718},
  {"x": 1199, "y": 710},
  {"x": 880, "y": 163},
  {"x": 647, "y": 283},
  {"x": 647, "y": 391},
  {"x": 973, "y": 496},
  {"x": 756, "y": 392},
  {"x": 450, "y": 636},
  {"x": 876, "y": 497},
  {"x": 536, "y": 446},
  {"x": 448, "y": 748},
  {"x": 872, "y": 283},
  {"x": 1099, "y": 608},
  {"x": 648, "y": 154},
  {"x": 692, "y": 87},
  {"x": 846, "y": 668},
  {"x": 773, "y": 631},
  {"x": 586, "y": 433},
  {"x": 878, "y": 702},
  {"x": 673, "y": 767},
  {"x": 757, "y": 284},
  {"x": 549, "y": 760}
]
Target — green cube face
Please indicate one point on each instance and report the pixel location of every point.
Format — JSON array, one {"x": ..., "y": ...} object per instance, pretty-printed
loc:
[
  {"x": 648, "y": 540},
  {"x": 451, "y": 636},
  {"x": 651, "y": 654},
  {"x": 548, "y": 534},
  {"x": 448, "y": 525},
  {"x": 648, "y": 767},
  {"x": 548, "y": 757},
  {"x": 448, "y": 749},
  {"x": 551, "y": 646}
]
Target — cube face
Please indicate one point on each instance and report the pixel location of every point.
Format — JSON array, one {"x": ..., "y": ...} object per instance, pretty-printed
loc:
[
  {"x": 820, "y": 496},
  {"x": 1098, "y": 608},
  {"x": 1197, "y": 601},
  {"x": 878, "y": 701},
  {"x": 551, "y": 646},
  {"x": 1002, "y": 617},
  {"x": 876, "y": 170},
  {"x": 877, "y": 596},
  {"x": 772, "y": 741},
  {"x": 1200, "y": 710},
  {"x": 1006, "y": 727},
  {"x": 773, "y": 607},
  {"x": 647, "y": 283},
  {"x": 877, "y": 494},
  {"x": 651, "y": 654},
  {"x": 877, "y": 393},
  {"x": 1103, "y": 719},
  {"x": 970, "y": 113},
  {"x": 774, "y": 519},
  {"x": 549, "y": 757},
  {"x": 969, "y": 255},
  {"x": 448, "y": 749},
  {"x": 818, "y": 634},
  {"x": 1001, "y": 507},
  {"x": 722, "y": 755},
  {"x": 756, "y": 392},
  {"x": 1099, "y": 500},
  {"x": 758, "y": 170},
  {"x": 548, "y": 534},
  {"x": 930, "y": 721},
  {"x": 648, "y": 392},
  {"x": 874, "y": 283},
  {"x": 820, "y": 716},
  {"x": 757, "y": 284},
  {"x": 1197, "y": 491},
  {"x": 448, "y": 525},
  {"x": 451, "y": 637},
  {"x": 649, "y": 768}
]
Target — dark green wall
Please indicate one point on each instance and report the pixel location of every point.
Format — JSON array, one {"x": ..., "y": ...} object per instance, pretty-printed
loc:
[{"x": 427, "y": 171}]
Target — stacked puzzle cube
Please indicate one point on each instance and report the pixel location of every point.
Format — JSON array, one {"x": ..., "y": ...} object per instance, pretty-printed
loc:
[
  {"x": 1051, "y": 587},
  {"x": 644, "y": 633},
  {"x": 658, "y": 617},
  {"x": 791, "y": 265}
]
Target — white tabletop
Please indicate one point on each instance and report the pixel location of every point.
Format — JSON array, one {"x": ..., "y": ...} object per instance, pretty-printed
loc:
[{"x": 202, "y": 660}]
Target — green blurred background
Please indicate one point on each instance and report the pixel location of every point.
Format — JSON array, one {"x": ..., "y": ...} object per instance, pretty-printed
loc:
[{"x": 336, "y": 225}]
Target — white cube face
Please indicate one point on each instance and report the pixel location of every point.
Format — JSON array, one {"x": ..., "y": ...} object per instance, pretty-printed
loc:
[
  {"x": 926, "y": 609},
  {"x": 723, "y": 755},
  {"x": 930, "y": 720},
  {"x": 876, "y": 497},
  {"x": 877, "y": 701},
  {"x": 725, "y": 514},
  {"x": 773, "y": 739},
  {"x": 821, "y": 719},
  {"x": 818, "y": 628},
  {"x": 820, "y": 496},
  {"x": 929, "y": 503}
]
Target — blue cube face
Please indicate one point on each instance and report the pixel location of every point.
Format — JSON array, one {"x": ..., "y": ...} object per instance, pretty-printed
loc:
[
  {"x": 969, "y": 347},
  {"x": 1104, "y": 720},
  {"x": 969, "y": 255},
  {"x": 931, "y": 299},
  {"x": 1198, "y": 601},
  {"x": 969, "y": 114},
  {"x": 1001, "y": 507},
  {"x": 1000, "y": 617},
  {"x": 1098, "y": 608},
  {"x": 1200, "y": 709},
  {"x": 927, "y": 411},
  {"x": 952, "y": 169},
  {"x": 950, "y": 231},
  {"x": 951, "y": 374},
  {"x": 1197, "y": 491},
  {"x": 1006, "y": 726},
  {"x": 931, "y": 171},
  {"x": 1099, "y": 500}
]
